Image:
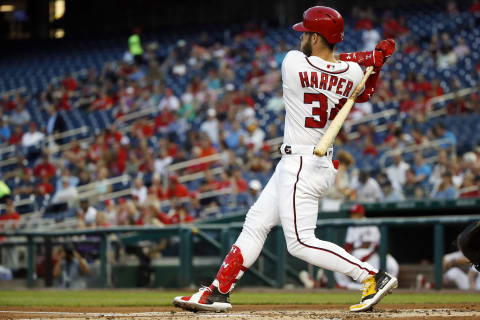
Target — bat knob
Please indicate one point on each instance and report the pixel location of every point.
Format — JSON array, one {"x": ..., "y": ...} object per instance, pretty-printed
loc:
[{"x": 318, "y": 152}]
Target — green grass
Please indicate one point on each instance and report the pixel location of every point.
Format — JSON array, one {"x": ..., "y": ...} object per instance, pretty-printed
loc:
[{"x": 98, "y": 298}]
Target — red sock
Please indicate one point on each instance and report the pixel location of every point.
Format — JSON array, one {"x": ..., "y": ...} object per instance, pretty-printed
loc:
[{"x": 231, "y": 270}]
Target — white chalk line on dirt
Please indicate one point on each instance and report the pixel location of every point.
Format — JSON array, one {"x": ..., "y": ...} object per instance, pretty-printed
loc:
[{"x": 326, "y": 314}]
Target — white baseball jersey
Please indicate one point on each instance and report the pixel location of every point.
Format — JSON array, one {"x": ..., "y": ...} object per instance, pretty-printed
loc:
[
  {"x": 357, "y": 236},
  {"x": 314, "y": 90}
]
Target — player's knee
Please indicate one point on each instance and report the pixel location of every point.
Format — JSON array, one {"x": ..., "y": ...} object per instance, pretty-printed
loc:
[
  {"x": 291, "y": 247},
  {"x": 296, "y": 249}
]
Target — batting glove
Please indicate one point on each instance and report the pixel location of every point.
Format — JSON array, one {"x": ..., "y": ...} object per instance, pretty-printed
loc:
[
  {"x": 365, "y": 58},
  {"x": 387, "y": 47}
]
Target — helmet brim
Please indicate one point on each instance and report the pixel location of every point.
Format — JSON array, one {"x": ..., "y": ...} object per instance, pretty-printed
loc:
[{"x": 300, "y": 27}]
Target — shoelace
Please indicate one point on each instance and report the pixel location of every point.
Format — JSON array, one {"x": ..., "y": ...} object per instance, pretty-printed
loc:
[{"x": 205, "y": 288}]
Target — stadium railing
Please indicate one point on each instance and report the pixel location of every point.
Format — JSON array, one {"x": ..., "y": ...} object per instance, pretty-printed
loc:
[
  {"x": 448, "y": 96},
  {"x": 50, "y": 141},
  {"x": 433, "y": 144},
  {"x": 136, "y": 115},
  {"x": 185, "y": 232},
  {"x": 431, "y": 112}
]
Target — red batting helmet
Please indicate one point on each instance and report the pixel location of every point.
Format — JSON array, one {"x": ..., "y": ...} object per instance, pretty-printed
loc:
[{"x": 323, "y": 20}]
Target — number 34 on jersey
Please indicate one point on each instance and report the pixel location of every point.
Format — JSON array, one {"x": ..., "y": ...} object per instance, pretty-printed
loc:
[{"x": 341, "y": 87}]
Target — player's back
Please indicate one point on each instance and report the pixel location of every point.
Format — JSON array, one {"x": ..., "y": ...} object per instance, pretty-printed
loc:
[{"x": 314, "y": 90}]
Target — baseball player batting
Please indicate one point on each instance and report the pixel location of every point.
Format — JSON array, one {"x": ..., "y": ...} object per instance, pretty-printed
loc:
[{"x": 315, "y": 87}]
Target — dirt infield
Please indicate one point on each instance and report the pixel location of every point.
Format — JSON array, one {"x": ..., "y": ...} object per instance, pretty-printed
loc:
[{"x": 248, "y": 312}]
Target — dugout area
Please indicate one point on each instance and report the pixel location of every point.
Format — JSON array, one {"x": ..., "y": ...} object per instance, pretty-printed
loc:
[{"x": 194, "y": 252}]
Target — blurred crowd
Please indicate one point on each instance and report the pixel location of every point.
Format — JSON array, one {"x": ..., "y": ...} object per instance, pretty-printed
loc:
[{"x": 227, "y": 85}]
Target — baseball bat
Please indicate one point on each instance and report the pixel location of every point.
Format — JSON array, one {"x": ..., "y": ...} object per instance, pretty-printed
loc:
[{"x": 334, "y": 127}]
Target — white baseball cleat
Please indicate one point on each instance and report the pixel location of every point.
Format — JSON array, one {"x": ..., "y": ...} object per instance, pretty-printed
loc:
[
  {"x": 206, "y": 299},
  {"x": 374, "y": 289}
]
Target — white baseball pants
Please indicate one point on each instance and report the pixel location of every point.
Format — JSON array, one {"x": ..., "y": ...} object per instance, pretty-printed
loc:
[{"x": 291, "y": 198}]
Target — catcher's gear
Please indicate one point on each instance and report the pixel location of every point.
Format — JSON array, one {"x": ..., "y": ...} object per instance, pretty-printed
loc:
[
  {"x": 468, "y": 242},
  {"x": 323, "y": 20}
]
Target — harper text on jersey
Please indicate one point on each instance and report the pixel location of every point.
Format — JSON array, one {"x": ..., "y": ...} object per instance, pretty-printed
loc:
[{"x": 326, "y": 82}]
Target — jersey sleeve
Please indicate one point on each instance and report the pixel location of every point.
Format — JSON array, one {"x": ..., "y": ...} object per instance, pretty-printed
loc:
[
  {"x": 357, "y": 74},
  {"x": 292, "y": 58}
]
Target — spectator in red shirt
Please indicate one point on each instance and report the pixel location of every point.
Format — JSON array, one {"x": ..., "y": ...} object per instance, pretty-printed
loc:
[
  {"x": 421, "y": 84},
  {"x": 204, "y": 150},
  {"x": 64, "y": 102},
  {"x": 225, "y": 179},
  {"x": 10, "y": 104},
  {"x": 70, "y": 83},
  {"x": 10, "y": 218},
  {"x": 436, "y": 89},
  {"x": 45, "y": 187},
  {"x": 97, "y": 149},
  {"x": 256, "y": 72},
  {"x": 207, "y": 148},
  {"x": 411, "y": 47},
  {"x": 143, "y": 129},
  {"x": 364, "y": 21},
  {"x": 156, "y": 189},
  {"x": 469, "y": 188},
  {"x": 13, "y": 102},
  {"x": 240, "y": 183},
  {"x": 163, "y": 218},
  {"x": 410, "y": 82},
  {"x": 243, "y": 97},
  {"x": 457, "y": 106},
  {"x": 103, "y": 102},
  {"x": 16, "y": 136},
  {"x": 370, "y": 147},
  {"x": 180, "y": 215},
  {"x": 172, "y": 149},
  {"x": 163, "y": 120},
  {"x": 120, "y": 157},
  {"x": 475, "y": 7},
  {"x": 147, "y": 165},
  {"x": 210, "y": 183},
  {"x": 113, "y": 135},
  {"x": 394, "y": 27},
  {"x": 406, "y": 103},
  {"x": 10, "y": 214},
  {"x": 45, "y": 168},
  {"x": 176, "y": 189},
  {"x": 418, "y": 137},
  {"x": 75, "y": 153},
  {"x": 263, "y": 48}
]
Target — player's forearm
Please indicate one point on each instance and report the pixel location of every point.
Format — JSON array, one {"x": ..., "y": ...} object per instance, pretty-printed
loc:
[
  {"x": 364, "y": 58},
  {"x": 370, "y": 88}
]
